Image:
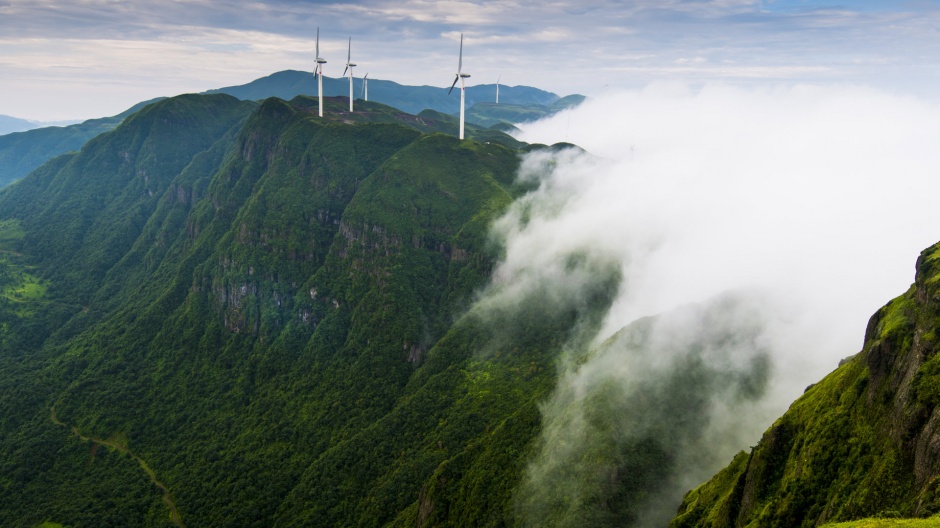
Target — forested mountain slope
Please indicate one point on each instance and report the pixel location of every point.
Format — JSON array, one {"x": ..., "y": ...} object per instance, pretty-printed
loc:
[
  {"x": 21, "y": 152},
  {"x": 266, "y": 310},
  {"x": 863, "y": 442}
]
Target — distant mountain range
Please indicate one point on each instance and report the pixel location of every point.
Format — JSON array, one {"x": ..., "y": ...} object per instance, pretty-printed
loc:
[
  {"x": 10, "y": 124},
  {"x": 21, "y": 152},
  {"x": 412, "y": 99}
]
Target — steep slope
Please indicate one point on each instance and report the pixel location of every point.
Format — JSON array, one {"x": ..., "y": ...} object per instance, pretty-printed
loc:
[
  {"x": 91, "y": 486},
  {"x": 21, "y": 152},
  {"x": 264, "y": 307},
  {"x": 862, "y": 442}
]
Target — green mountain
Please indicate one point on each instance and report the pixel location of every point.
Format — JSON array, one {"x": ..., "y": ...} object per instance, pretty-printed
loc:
[
  {"x": 863, "y": 442},
  {"x": 21, "y": 152},
  {"x": 228, "y": 313},
  {"x": 235, "y": 313},
  {"x": 411, "y": 99}
]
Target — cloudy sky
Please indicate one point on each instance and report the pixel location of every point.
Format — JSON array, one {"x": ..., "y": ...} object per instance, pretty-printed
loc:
[{"x": 77, "y": 59}]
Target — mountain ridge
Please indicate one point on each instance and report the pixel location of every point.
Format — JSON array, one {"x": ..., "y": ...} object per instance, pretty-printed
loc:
[
  {"x": 23, "y": 152},
  {"x": 288, "y": 84},
  {"x": 862, "y": 442},
  {"x": 249, "y": 314}
]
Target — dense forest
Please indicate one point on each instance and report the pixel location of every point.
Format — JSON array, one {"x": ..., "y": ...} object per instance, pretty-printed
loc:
[{"x": 268, "y": 312}]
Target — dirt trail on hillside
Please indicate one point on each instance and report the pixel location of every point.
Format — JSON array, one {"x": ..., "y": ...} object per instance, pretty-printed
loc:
[{"x": 175, "y": 516}]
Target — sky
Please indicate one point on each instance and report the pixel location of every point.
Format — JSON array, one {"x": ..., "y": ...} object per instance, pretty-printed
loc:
[{"x": 80, "y": 59}]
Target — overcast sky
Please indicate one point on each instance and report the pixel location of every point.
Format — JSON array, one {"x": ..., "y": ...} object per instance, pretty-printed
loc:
[{"x": 78, "y": 59}]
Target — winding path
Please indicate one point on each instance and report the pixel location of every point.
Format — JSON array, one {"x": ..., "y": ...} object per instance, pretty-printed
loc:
[{"x": 174, "y": 512}]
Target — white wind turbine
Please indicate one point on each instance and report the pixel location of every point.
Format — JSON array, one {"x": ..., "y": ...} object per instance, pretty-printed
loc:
[
  {"x": 318, "y": 73},
  {"x": 497, "y": 88},
  {"x": 461, "y": 76},
  {"x": 350, "y": 66},
  {"x": 365, "y": 87}
]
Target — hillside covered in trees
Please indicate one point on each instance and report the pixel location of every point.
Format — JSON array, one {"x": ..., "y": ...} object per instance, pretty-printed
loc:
[{"x": 266, "y": 311}]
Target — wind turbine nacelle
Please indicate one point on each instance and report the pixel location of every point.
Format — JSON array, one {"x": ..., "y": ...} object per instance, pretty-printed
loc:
[
  {"x": 351, "y": 65},
  {"x": 321, "y": 61},
  {"x": 464, "y": 75}
]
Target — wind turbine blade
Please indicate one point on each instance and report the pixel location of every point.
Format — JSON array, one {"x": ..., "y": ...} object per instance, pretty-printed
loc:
[
  {"x": 318, "y": 42},
  {"x": 452, "y": 86},
  {"x": 367, "y": 76},
  {"x": 498, "y": 78},
  {"x": 349, "y": 51},
  {"x": 344, "y": 71},
  {"x": 460, "y": 60}
]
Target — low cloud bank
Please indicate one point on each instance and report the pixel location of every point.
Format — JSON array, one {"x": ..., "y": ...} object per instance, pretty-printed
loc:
[{"x": 809, "y": 203}]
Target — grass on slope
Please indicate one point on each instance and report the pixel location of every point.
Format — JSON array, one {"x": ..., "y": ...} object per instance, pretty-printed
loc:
[
  {"x": 17, "y": 284},
  {"x": 884, "y": 523}
]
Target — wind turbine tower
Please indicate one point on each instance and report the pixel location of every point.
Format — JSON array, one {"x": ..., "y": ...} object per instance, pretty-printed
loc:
[
  {"x": 365, "y": 87},
  {"x": 460, "y": 76},
  {"x": 350, "y": 66},
  {"x": 497, "y": 88},
  {"x": 318, "y": 73}
]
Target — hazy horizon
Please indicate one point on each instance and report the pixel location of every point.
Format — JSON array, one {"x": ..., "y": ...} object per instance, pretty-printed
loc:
[{"x": 65, "y": 61}]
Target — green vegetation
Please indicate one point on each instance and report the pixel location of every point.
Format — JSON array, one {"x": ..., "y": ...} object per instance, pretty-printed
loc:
[
  {"x": 264, "y": 309},
  {"x": 857, "y": 444},
  {"x": 22, "y": 152},
  {"x": 887, "y": 523},
  {"x": 231, "y": 313}
]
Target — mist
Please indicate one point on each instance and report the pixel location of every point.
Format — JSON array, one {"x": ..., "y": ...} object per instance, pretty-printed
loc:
[{"x": 761, "y": 226}]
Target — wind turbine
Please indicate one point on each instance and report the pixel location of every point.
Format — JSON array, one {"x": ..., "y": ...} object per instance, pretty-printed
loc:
[
  {"x": 460, "y": 76},
  {"x": 318, "y": 73},
  {"x": 350, "y": 66},
  {"x": 365, "y": 87},
  {"x": 497, "y": 88}
]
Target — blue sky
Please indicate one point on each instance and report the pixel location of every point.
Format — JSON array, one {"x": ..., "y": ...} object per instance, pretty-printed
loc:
[{"x": 89, "y": 58}]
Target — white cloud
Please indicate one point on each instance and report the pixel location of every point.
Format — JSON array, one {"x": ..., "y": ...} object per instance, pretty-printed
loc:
[
  {"x": 819, "y": 193},
  {"x": 435, "y": 11},
  {"x": 809, "y": 202}
]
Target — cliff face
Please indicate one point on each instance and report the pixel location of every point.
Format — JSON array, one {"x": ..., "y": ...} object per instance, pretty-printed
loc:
[{"x": 865, "y": 441}]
